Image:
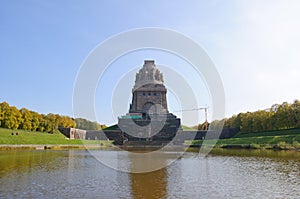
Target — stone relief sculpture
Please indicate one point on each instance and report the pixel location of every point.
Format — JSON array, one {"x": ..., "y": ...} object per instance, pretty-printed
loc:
[{"x": 149, "y": 74}]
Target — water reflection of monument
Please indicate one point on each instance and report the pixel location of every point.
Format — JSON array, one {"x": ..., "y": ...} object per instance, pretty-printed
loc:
[
  {"x": 149, "y": 176},
  {"x": 149, "y": 185},
  {"x": 148, "y": 120}
]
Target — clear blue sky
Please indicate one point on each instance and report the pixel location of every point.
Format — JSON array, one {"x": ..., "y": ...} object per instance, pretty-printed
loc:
[{"x": 254, "y": 44}]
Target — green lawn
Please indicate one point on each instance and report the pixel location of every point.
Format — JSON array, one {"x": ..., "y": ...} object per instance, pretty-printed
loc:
[
  {"x": 262, "y": 140},
  {"x": 29, "y": 137},
  {"x": 112, "y": 127},
  {"x": 187, "y": 128},
  {"x": 285, "y": 139},
  {"x": 270, "y": 133}
]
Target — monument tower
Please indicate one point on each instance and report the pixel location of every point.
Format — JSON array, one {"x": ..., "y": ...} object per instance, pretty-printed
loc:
[
  {"x": 149, "y": 91},
  {"x": 149, "y": 120}
]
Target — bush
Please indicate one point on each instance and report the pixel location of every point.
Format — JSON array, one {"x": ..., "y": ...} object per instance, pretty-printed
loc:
[
  {"x": 255, "y": 146},
  {"x": 296, "y": 145}
]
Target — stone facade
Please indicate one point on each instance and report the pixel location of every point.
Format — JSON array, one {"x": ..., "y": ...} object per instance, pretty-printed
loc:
[
  {"x": 149, "y": 92},
  {"x": 73, "y": 133},
  {"x": 149, "y": 120},
  {"x": 119, "y": 138}
]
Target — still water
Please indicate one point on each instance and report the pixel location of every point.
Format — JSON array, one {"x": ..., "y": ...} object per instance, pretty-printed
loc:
[{"x": 222, "y": 174}]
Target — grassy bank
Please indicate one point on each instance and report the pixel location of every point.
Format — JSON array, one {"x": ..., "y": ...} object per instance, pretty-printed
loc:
[
  {"x": 283, "y": 140},
  {"x": 20, "y": 137},
  {"x": 294, "y": 131}
]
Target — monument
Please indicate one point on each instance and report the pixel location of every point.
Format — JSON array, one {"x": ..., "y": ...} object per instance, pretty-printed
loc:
[
  {"x": 149, "y": 90},
  {"x": 148, "y": 120}
]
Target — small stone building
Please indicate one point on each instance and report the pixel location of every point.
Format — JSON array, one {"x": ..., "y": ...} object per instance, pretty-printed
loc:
[{"x": 73, "y": 133}]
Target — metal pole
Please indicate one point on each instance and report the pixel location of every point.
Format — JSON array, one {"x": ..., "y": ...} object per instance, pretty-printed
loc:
[{"x": 206, "y": 122}]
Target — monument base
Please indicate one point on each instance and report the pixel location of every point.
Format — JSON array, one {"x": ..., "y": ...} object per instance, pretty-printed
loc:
[{"x": 159, "y": 130}]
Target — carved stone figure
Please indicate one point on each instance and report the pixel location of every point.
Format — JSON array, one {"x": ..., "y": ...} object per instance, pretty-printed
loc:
[{"x": 148, "y": 89}]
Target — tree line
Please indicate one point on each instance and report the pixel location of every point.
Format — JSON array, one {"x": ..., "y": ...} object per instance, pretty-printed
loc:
[
  {"x": 13, "y": 118},
  {"x": 85, "y": 124},
  {"x": 277, "y": 117}
]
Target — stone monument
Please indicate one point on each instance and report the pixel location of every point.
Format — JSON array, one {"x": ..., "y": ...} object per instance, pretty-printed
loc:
[
  {"x": 148, "y": 120},
  {"x": 149, "y": 90}
]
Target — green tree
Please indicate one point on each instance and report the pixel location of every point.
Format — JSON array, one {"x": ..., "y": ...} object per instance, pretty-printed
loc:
[
  {"x": 234, "y": 121},
  {"x": 283, "y": 116},
  {"x": 259, "y": 121},
  {"x": 279, "y": 116},
  {"x": 269, "y": 124},
  {"x": 216, "y": 124},
  {"x": 51, "y": 122},
  {"x": 87, "y": 125},
  {"x": 296, "y": 113},
  {"x": 246, "y": 122},
  {"x": 26, "y": 123}
]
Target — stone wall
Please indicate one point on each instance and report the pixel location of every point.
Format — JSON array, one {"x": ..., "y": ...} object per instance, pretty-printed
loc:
[
  {"x": 95, "y": 135},
  {"x": 155, "y": 94},
  {"x": 200, "y": 135},
  {"x": 118, "y": 136}
]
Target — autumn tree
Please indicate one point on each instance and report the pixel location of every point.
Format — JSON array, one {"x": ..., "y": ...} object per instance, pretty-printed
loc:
[
  {"x": 26, "y": 123},
  {"x": 4, "y": 106},
  {"x": 278, "y": 116},
  {"x": 34, "y": 121},
  {"x": 51, "y": 122},
  {"x": 42, "y": 123},
  {"x": 12, "y": 117},
  {"x": 65, "y": 121}
]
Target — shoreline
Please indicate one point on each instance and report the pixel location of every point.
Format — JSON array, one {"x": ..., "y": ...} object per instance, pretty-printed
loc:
[
  {"x": 274, "y": 147},
  {"x": 8, "y": 147}
]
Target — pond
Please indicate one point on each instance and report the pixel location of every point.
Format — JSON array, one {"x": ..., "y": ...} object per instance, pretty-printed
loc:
[{"x": 224, "y": 173}]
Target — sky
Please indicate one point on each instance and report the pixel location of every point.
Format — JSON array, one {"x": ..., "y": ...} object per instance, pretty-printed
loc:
[{"x": 254, "y": 45}]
